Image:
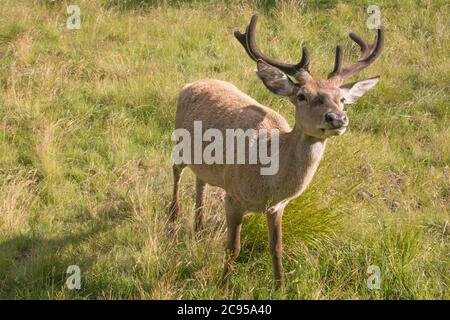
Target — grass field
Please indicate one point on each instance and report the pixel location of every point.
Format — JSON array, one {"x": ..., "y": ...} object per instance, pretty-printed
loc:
[{"x": 85, "y": 172}]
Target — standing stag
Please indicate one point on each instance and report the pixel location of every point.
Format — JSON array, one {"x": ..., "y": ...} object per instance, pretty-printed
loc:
[{"x": 319, "y": 114}]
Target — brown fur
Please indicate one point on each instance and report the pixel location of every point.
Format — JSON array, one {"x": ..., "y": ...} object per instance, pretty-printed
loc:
[
  {"x": 319, "y": 114},
  {"x": 221, "y": 105}
]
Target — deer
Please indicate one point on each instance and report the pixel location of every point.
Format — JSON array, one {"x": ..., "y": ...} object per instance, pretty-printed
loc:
[{"x": 319, "y": 115}]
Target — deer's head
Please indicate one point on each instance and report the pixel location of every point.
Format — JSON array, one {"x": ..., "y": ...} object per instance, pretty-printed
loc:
[{"x": 319, "y": 103}]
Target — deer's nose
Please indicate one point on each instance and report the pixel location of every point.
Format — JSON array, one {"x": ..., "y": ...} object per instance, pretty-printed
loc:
[{"x": 336, "y": 120}]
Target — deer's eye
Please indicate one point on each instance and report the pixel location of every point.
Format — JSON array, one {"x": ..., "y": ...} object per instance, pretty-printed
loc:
[
  {"x": 342, "y": 100},
  {"x": 301, "y": 97}
]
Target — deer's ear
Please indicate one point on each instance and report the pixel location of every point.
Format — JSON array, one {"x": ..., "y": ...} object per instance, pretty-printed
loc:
[
  {"x": 275, "y": 80},
  {"x": 351, "y": 92}
]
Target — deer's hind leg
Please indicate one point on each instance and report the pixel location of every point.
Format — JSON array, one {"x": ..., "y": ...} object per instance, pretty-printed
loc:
[
  {"x": 199, "y": 199},
  {"x": 174, "y": 207}
]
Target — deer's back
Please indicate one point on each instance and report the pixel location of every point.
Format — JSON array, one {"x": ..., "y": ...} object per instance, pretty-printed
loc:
[{"x": 220, "y": 105}]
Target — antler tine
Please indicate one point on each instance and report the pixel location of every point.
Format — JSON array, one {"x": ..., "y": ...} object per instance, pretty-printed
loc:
[
  {"x": 337, "y": 62},
  {"x": 369, "y": 53},
  {"x": 365, "y": 48},
  {"x": 242, "y": 38},
  {"x": 248, "y": 41}
]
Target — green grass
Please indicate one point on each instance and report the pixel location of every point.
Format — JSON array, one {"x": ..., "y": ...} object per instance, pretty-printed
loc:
[{"x": 85, "y": 123}]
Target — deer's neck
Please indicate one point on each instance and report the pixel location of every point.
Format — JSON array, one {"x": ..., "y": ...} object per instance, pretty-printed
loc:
[{"x": 301, "y": 157}]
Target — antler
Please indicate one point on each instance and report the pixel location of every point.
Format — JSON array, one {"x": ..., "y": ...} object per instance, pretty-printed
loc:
[
  {"x": 369, "y": 53},
  {"x": 248, "y": 41}
]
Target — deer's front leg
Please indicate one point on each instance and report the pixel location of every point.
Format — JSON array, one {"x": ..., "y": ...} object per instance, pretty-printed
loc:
[
  {"x": 234, "y": 214},
  {"x": 275, "y": 242}
]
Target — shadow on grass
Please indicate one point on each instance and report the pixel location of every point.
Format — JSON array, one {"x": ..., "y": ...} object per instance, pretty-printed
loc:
[{"x": 34, "y": 267}]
